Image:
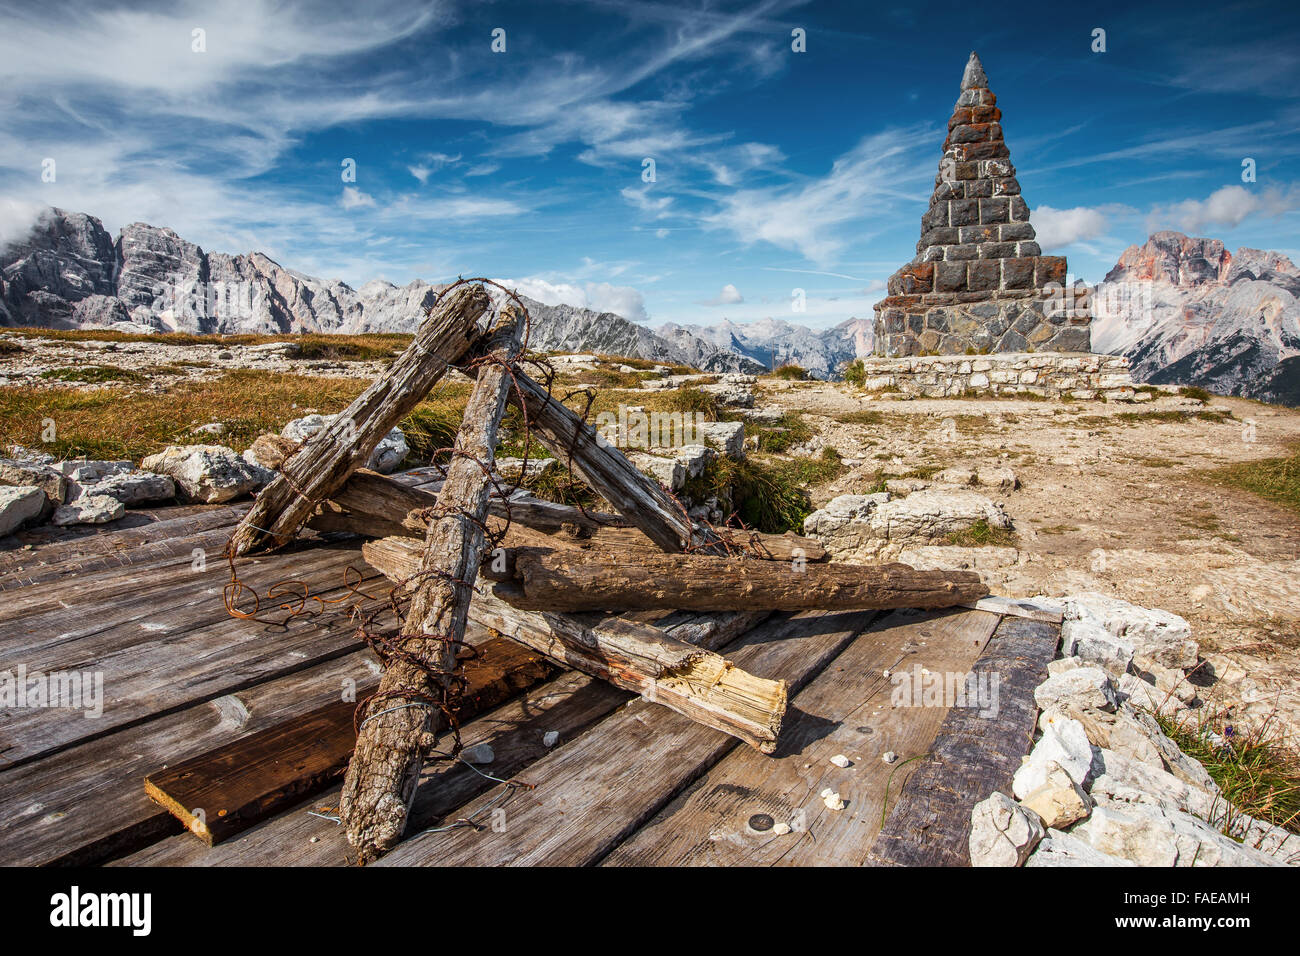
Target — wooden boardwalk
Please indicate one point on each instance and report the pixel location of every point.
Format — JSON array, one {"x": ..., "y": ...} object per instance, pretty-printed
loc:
[{"x": 628, "y": 782}]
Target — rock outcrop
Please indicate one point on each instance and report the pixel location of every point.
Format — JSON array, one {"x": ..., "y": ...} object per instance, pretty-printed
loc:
[{"x": 1185, "y": 311}]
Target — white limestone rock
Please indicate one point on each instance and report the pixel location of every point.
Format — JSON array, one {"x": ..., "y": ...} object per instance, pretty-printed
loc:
[
  {"x": 1082, "y": 686},
  {"x": 20, "y": 504},
  {"x": 88, "y": 509},
  {"x": 1002, "y": 832},
  {"x": 131, "y": 488},
  {"x": 1164, "y": 637},
  {"x": 1063, "y": 849},
  {"x": 208, "y": 473},
  {"x": 1117, "y": 778},
  {"x": 1063, "y": 745},
  {"x": 1094, "y": 644},
  {"x": 27, "y": 474},
  {"x": 1059, "y": 801},
  {"x": 1151, "y": 836},
  {"x": 728, "y": 437}
]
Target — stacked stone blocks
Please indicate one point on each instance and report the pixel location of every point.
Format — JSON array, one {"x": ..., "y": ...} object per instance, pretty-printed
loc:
[{"x": 979, "y": 282}]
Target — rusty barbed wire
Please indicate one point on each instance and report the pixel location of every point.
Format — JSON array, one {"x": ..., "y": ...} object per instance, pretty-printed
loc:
[{"x": 365, "y": 609}]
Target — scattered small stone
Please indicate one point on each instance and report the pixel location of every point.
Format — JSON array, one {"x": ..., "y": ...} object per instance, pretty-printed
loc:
[
  {"x": 841, "y": 761},
  {"x": 480, "y": 753},
  {"x": 550, "y": 738},
  {"x": 833, "y": 801},
  {"x": 781, "y": 829},
  {"x": 889, "y": 756}
]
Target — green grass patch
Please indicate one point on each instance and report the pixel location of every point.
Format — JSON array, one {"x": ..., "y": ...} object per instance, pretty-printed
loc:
[
  {"x": 775, "y": 437},
  {"x": 1196, "y": 392},
  {"x": 9, "y": 348},
  {"x": 791, "y": 373},
  {"x": 982, "y": 534},
  {"x": 92, "y": 374},
  {"x": 1277, "y": 479},
  {"x": 861, "y": 417},
  {"x": 855, "y": 373},
  {"x": 1257, "y": 772}
]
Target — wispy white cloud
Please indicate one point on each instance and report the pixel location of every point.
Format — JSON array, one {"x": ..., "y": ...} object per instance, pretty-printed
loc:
[
  {"x": 626, "y": 301},
  {"x": 1058, "y": 228},
  {"x": 1227, "y": 208},
  {"x": 806, "y": 217}
]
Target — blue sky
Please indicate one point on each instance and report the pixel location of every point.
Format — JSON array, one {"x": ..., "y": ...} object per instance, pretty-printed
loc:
[{"x": 774, "y": 169}]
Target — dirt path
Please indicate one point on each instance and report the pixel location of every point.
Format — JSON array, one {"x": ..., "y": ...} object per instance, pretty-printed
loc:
[{"x": 1113, "y": 503}]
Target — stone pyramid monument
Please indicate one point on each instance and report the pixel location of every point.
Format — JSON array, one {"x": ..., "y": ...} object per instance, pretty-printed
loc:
[{"x": 979, "y": 283}]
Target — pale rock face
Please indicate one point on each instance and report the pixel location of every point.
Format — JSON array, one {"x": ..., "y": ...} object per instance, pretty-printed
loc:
[
  {"x": 1164, "y": 637},
  {"x": 20, "y": 504},
  {"x": 1119, "y": 779},
  {"x": 1143, "y": 696},
  {"x": 1186, "y": 311},
  {"x": 1062, "y": 849},
  {"x": 1059, "y": 800},
  {"x": 727, "y": 436},
  {"x": 1002, "y": 832},
  {"x": 1151, "y": 836},
  {"x": 208, "y": 473},
  {"x": 872, "y": 527},
  {"x": 27, "y": 473},
  {"x": 89, "y": 509},
  {"x": 1094, "y": 644},
  {"x": 130, "y": 488},
  {"x": 1063, "y": 746},
  {"x": 1085, "y": 687}
]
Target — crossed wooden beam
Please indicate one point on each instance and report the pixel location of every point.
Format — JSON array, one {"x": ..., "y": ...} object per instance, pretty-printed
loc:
[{"x": 552, "y": 593}]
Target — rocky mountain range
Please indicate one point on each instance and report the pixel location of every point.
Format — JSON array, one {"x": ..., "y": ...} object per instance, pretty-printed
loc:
[
  {"x": 1183, "y": 310},
  {"x": 68, "y": 272},
  {"x": 774, "y": 342},
  {"x": 1187, "y": 311}
]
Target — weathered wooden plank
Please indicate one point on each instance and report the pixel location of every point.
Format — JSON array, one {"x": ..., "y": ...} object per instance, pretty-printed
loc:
[
  {"x": 323, "y": 463},
  {"x": 1018, "y": 607},
  {"x": 85, "y": 804},
  {"x": 566, "y": 706},
  {"x": 155, "y": 666},
  {"x": 848, "y": 709},
  {"x": 972, "y": 756},
  {"x": 590, "y": 794},
  {"x": 247, "y": 780},
  {"x": 110, "y": 549}
]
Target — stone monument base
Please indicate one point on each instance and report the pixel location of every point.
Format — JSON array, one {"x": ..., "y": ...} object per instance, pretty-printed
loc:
[{"x": 1082, "y": 375}]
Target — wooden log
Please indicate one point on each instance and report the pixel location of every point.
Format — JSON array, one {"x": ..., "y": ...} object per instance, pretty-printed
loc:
[
  {"x": 377, "y": 506},
  {"x": 325, "y": 460},
  {"x": 635, "y": 656},
  {"x": 609, "y": 473},
  {"x": 405, "y": 713},
  {"x": 224, "y": 791},
  {"x": 575, "y": 580}
]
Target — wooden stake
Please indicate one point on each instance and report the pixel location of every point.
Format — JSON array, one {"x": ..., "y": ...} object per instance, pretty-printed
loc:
[
  {"x": 325, "y": 460},
  {"x": 607, "y": 471},
  {"x": 638, "y": 657},
  {"x": 385, "y": 767}
]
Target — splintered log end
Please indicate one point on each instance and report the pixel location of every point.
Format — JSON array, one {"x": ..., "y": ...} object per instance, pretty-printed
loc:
[{"x": 742, "y": 704}]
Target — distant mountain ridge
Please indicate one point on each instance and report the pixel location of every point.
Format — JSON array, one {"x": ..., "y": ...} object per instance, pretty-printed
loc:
[
  {"x": 1184, "y": 310},
  {"x": 68, "y": 272}
]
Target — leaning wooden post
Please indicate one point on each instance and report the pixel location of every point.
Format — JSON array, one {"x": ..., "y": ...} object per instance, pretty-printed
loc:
[
  {"x": 607, "y": 471},
  {"x": 324, "y": 462},
  {"x": 385, "y": 767}
]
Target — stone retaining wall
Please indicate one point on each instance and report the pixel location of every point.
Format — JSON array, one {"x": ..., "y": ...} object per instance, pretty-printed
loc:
[{"x": 1050, "y": 374}]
